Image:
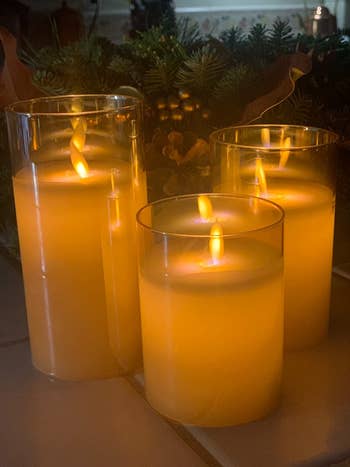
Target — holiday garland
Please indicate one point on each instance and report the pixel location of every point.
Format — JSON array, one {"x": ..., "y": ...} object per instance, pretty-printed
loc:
[
  {"x": 193, "y": 84},
  {"x": 218, "y": 76}
]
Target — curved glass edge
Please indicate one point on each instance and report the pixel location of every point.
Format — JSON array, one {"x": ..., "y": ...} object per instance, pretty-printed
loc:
[
  {"x": 148, "y": 227},
  {"x": 131, "y": 102},
  {"x": 214, "y": 137}
]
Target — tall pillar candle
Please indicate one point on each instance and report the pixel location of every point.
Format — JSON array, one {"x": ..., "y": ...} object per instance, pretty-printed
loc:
[
  {"x": 71, "y": 156},
  {"x": 294, "y": 167}
]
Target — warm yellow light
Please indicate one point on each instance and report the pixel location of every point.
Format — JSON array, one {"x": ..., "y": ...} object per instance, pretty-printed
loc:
[
  {"x": 77, "y": 144},
  {"x": 78, "y": 161},
  {"x": 205, "y": 207},
  {"x": 81, "y": 170},
  {"x": 265, "y": 137},
  {"x": 260, "y": 177},
  {"x": 114, "y": 213},
  {"x": 285, "y": 152},
  {"x": 76, "y": 107},
  {"x": 79, "y": 135},
  {"x": 35, "y": 134},
  {"x": 216, "y": 242}
]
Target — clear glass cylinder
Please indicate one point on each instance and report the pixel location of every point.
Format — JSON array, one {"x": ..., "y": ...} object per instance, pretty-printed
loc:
[
  {"x": 211, "y": 301},
  {"x": 78, "y": 180},
  {"x": 293, "y": 166}
]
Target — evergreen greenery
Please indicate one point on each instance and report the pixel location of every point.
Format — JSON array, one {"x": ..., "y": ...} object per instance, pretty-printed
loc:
[
  {"x": 221, "y": 73},
  {"x": 208, "y": 80}
]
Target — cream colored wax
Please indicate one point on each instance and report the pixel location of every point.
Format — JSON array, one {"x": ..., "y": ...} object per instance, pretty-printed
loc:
[
  {"x": 308, "y": 244},
  {"x": 60, "y": 219},
  {"x": 213, "y": 333},
  {"x": 121, "y": 275}
]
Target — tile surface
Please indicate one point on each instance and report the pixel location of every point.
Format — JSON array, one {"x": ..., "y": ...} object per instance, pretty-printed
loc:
[
  {"x": 312, "y": 425},
  {"x": 46, "y": 423}
]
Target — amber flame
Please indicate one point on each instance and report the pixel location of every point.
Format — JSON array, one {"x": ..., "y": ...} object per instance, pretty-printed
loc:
[
  {"x": 77, "y": 144},
  {"x": 285, "y": 152},
  {"x": 205, "y": 207},
  {"x": 216, "y": 242},
  {"x": 78, "y": 161}
]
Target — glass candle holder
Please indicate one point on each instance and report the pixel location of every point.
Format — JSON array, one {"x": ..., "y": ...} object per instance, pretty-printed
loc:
[
  {"x": 295, "y": 167},
  {"x": 78, "y": 180},
  {"x": 211, "y": 300}
]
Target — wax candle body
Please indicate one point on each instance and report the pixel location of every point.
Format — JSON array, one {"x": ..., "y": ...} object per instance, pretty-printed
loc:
[
  {"x": 60, "y": 218},
  {"x": 121, "y": 276},
  {"x": 308, "y": 244},
  {"x": 213, "y": 336}
]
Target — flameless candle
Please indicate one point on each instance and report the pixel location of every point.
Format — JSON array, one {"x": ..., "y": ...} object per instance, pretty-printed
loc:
[
  {"x": 211, "y": 299},
  {"x": 79, "y": 326},
  {"x": 308, "y": 241},
  {"x": 294, "y": 167}
]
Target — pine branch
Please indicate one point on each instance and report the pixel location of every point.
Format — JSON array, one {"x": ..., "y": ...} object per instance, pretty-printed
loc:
[
  {"x": 201, "y": 71},
  {"x": 154, "y": 46},
  {"x": 229, "y": 87},
  {"x": 188, "y": 34},
  {"x": 160, "y": 79},
  {"x": 281, "y": 38},
  {"x": 51, "y": 83},
  {"x": 232, "y": 93},
  {"x": 298, "y": 109},
  {"x": 234, "y": 40},
  {"x": 82, "y": 67},
  {"x": 123, "y": 70},
  {"x": 258, "y": 44}
]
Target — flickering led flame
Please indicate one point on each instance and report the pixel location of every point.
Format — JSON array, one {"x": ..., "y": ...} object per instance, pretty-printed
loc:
[
  {"x": 81, "y": 170},
  {"x": 285, "y": 152},
  {"x": 261, "y": 186},
  {"x": 78, "y": 161},
  {"x": 265, "y": 137},
  {"x": 205, "y": 207},
  {"x": 77, "y": 144},
  {"x": 216, "y": 243},
  {"x": 79, "y": 135}
]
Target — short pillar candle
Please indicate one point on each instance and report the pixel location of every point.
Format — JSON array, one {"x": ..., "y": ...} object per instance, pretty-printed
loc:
[{"x": 211, "y": 300}]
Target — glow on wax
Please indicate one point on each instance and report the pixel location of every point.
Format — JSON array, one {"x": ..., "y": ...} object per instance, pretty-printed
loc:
[
  {"x": 205, "y": 208},
  {"x": 216, "y": 243},
  {"x": 306, "y": 317},
  {"x": 212, "y": 323}
]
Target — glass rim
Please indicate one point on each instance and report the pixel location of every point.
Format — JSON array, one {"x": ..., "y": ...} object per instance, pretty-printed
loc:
[
  {"x": 134, "y": 102},
  {"x": 269, "y": 226},
  {"x": 214, "y": 137}
]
